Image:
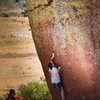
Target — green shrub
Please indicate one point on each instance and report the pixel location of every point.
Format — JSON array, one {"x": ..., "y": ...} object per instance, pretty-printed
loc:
[
  {"x": 9, "y": 14},
  {"x": 22, "y": 13},
  {"x": 5, "y": 96},
  {"x": 25, "y": 13},
  {"x": 1, "y": 98},
  {"x": 24, "y": 5},
  {"x": 23, "y": 73},
  {"x": 35, "y": 91},
  {"x": 42, "y": 78},
  {"x": 5, "y": 15}
]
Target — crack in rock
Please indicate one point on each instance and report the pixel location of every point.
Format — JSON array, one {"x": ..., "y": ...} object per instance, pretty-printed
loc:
[{"x": 40, "y": 5}]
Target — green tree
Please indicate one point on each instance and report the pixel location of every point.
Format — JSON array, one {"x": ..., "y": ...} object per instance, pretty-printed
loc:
[{"x": 35, "y": 91}]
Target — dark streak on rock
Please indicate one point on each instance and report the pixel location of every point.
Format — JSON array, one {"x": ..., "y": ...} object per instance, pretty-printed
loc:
[
  {"x": 40, "y": 5},
  {"x": 74, "y": 8}
]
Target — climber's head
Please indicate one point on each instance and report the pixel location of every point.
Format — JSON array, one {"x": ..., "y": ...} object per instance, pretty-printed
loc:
[
  {"x": 11, "y": 93},
  {"x": 50, "y": 65}
]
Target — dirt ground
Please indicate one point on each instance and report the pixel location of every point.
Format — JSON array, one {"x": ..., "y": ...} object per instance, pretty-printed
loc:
[{"x": 19, "y": 63}]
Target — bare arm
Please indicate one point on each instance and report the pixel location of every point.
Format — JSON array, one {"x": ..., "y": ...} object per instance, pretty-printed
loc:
[
  {"x": 52, "y": 57},
  {"x": 19, "y": 98},
  {"x": 57, "y": 74}
]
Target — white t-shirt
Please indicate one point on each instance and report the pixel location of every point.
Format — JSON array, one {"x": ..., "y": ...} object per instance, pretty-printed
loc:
[{"x": 54, "y": 77}]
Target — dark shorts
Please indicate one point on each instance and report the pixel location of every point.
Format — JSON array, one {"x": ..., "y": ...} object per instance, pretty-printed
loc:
[{"x": 60, "y": 86}]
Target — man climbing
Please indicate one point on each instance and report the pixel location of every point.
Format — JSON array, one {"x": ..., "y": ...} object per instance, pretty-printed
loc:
[{"x": 55, "y": 77}]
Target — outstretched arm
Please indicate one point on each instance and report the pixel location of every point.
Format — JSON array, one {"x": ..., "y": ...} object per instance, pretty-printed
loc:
[
  {"x": 19, "y": 98},
  {"x": 52, "y": 57}
]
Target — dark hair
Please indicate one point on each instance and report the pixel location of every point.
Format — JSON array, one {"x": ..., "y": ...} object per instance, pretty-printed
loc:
[
  {"x": 50, "y": 65},
  {"x": 10, "y": 93}
]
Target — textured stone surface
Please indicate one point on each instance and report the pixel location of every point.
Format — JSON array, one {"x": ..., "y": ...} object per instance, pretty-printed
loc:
[{"x": 71, "y": 29}]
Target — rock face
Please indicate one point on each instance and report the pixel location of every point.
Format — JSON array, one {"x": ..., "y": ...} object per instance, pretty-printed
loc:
[{"x": 71, "y": 29}]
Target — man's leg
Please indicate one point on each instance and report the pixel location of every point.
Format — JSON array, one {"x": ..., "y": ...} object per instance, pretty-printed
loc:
[
  {"x": 61, "y": 89},
  {"x": 62, "y": 95}
]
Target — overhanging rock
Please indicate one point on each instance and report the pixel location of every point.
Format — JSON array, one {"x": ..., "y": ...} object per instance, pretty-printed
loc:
[{"x": 71, "y": 29}]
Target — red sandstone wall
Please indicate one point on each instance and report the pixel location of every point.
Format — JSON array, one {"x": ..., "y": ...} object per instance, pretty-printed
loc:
[{"x": 71, "y": 29}]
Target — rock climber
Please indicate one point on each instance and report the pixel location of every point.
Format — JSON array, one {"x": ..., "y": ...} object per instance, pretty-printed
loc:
[{"x": 55, "y": 76}]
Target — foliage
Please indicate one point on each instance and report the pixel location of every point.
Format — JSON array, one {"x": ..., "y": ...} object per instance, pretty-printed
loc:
[
  {"x": 42, "y": 78},
  {"x": 8, "y": 14},
  {"x": 5, "y": 15},
  {"x": 25, "y": 13},
  {"x": 5, "y": 96},
  {"x": 24, "y": 5},
  {"x": 35, "y": 91},
  {"x": 1, "y": 98},
  {"x": 22, "y": 13}
]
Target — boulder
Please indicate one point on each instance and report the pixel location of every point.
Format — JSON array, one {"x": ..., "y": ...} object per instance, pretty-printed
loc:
[{"x": 70, "y": 28}]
